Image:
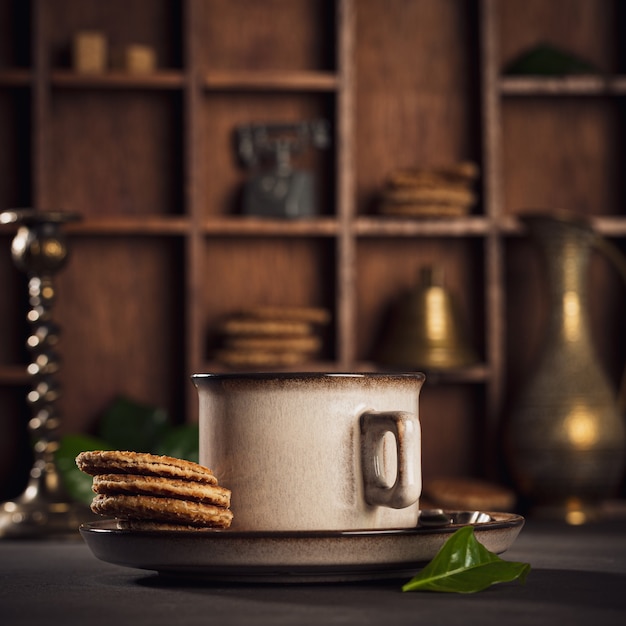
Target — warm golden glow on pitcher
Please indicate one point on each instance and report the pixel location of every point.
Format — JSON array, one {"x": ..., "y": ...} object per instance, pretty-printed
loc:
[
  {"x": 436, "y": 318},
  {"x": 571, "y": 317},
  {"x": 581, "y": 427}
]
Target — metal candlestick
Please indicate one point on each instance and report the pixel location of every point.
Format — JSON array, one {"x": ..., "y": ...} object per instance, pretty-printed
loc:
[{"x": 44, "y": 509}]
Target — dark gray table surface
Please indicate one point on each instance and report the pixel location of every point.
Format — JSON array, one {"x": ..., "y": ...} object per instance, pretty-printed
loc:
[{"x": 578, "y": 576}]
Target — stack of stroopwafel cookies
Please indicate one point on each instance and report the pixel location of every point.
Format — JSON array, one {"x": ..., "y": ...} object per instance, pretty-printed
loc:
[
  {"x": 271, "y": 336},
  {"x": 151, "y": 492},
  {"x": 445, "y": 191}
]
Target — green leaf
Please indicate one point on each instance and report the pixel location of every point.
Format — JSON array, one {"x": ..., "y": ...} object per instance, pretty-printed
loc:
[
  {"x": 125, "y": 425},
  {"x": 464, "y": 565},
  {"x": 548, "y": 60},
  {"x": 129, "y": 425},
  {"x": 77, "y": 483},
  {"x": 180, "y": 442}
]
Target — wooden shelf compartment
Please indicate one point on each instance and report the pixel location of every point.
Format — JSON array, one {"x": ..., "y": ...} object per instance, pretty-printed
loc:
[
  {"x": 453, "y": 427},
  {"x": 411, "y": 115},
  {"x": 573, "y": 162},
  {"x": 269, "y": 38},
  {"x": 286, "y": 272},
  {"x": 121, "y": 308},
  {"x": 221, "y": 177},
  {"x": 153, "y": 23},
  {"x": 387, "y": 273},
  {"x": 587, "y": 29},
  {"x": 15, "y": 130},
  {"x": 114, "y": 154}
]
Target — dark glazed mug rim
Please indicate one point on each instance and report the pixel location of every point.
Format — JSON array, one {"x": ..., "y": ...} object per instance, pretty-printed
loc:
[{"x": 417, "y": 376}]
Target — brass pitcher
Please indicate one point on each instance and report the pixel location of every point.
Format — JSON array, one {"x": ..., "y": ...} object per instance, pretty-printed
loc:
[{"x": 566, "y": 438}]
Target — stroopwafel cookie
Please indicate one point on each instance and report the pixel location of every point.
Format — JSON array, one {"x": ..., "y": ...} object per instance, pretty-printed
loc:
[
  {"x": 430, "y": 192},
  {"x": 428, "y": 196},
  {"x": 161, "y": 492},
  {"x": 461, "y": 173},
  {"x": 423, "y": 210},
  {"x": 306, "y": 343},
  {"x": 158, "y": 509},
  {"x": 265, "y": 327},
  {"x": 96, "y": 462},
  {"x": 259, "y": 358},
  {"x": 270, "y": 336},
  {"x": 314, "y": 315},
  {"x": 111, "y": 484},
  {"x": 151, "y": 526}
]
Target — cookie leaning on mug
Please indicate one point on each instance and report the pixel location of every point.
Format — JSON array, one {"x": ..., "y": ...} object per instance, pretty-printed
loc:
[{"x": 154, "y": 492}]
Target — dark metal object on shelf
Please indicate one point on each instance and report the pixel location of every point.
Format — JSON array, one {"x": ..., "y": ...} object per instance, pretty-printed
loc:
[
  {"x": 44, "y": 509},
  {"x": 279, "y": 190}
]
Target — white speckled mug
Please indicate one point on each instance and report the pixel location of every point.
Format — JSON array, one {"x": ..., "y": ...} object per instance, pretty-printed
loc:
[{"x": 310, "y": 452}]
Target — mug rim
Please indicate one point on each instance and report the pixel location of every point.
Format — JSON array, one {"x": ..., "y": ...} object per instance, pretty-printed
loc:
[{"x": 306, "y": 375}]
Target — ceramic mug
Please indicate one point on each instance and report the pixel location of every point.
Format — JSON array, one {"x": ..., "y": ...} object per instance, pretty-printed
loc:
[{"x": 311, "y": 452}]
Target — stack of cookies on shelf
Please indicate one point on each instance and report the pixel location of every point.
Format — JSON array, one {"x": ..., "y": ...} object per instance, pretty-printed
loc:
[
  {"x": 152, "y": 492},
  {"x": 446, "y": 191},
  {"x": 271, "y": 336}
]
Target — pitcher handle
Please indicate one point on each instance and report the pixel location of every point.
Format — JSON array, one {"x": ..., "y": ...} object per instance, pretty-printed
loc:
[{"x": 614, "y": 254}]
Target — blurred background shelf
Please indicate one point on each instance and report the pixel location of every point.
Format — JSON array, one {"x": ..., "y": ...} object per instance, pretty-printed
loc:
[
  {"x": 118, "y": 80},
  {"x": 163, "y": 253},
  {"x": 270, "y": 80}
]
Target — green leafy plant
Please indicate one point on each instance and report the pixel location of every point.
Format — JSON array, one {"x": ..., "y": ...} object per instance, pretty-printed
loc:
[
  {"x": 125, "y": 425},
  {"x": 464, "y": 565}
]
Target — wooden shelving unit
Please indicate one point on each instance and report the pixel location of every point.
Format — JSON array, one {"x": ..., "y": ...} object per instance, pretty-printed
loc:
[{"x": 161, "y": 253}]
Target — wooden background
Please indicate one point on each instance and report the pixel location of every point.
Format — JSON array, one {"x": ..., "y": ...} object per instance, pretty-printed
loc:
[{"x": 161, "y": 253}]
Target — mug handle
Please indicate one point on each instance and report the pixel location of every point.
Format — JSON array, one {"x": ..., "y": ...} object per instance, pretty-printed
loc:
[{"x": 407, "y": 487}]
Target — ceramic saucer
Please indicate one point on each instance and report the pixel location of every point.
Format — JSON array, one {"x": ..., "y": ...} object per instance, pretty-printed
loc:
[{"x": 328, "y": 556}]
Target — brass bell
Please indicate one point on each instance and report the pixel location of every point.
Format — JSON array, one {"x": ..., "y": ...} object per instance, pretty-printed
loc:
[{"x": 425, "y": 330}]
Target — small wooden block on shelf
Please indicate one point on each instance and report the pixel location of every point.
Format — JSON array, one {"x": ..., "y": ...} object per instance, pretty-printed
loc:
[{"x": 90, "y": 52}]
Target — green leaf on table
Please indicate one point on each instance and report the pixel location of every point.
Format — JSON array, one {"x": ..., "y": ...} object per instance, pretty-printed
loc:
[
  {"x": 464, "y": 565},
  {"x": 77, "y": 483},
  {"x": 129, "y": 425}
]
